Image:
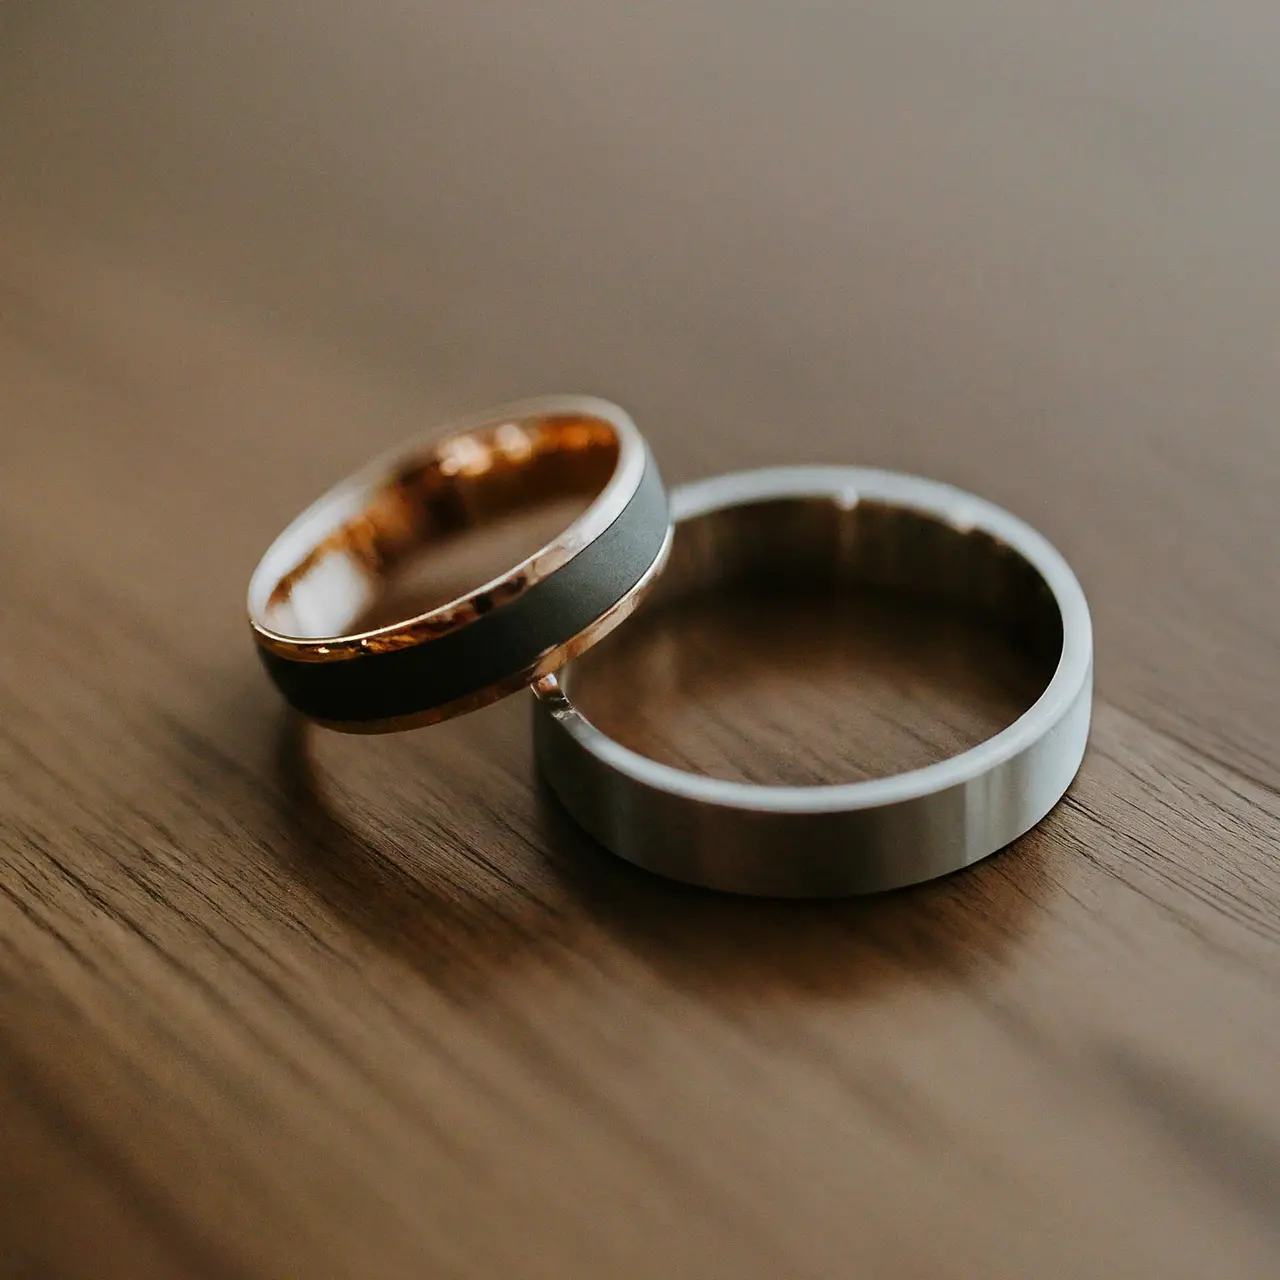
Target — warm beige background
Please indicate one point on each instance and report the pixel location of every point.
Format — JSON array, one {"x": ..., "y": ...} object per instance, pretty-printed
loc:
[{"x": 425, "y": 1029}]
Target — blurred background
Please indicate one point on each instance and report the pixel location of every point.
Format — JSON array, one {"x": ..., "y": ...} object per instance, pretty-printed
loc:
[{"x": 1021, "y": 246}]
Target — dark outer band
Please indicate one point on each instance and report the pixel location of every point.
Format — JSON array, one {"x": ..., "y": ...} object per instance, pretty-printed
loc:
[{"x": 408, "y": 682}]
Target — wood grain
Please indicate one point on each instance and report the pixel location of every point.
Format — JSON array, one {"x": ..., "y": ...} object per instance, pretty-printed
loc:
[{"x": 279, "y": 1003}]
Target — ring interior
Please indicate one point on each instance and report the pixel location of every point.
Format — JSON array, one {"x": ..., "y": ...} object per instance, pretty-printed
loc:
[
  {"x": 814, "y": 544},
  {"x": 451, "y": 486}
]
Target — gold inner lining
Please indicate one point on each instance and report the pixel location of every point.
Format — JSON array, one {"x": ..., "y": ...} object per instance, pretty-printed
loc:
[{"x": 452, "y": 486}]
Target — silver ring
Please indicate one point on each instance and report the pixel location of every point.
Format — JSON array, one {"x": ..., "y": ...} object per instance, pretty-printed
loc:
[{"x": 845, "y": 525}]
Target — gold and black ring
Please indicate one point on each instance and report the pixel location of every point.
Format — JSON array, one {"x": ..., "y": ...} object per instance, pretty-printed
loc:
[{"x": 330, "y": 566}]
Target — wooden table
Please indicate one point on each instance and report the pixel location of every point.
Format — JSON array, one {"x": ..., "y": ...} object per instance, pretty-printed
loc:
[{"x": 393, "y": 1016}]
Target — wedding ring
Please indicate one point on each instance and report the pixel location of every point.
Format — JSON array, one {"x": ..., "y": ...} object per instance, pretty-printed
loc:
[
  {"x": 324, "y": 572},
  {"x": 842, "y": 528}
]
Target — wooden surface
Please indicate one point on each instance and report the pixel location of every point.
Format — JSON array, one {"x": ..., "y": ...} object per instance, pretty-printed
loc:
[{"x": 274, "y": 1005}]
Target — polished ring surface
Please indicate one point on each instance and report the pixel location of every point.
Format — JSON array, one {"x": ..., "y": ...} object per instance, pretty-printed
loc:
[
  {"x": 841, "y": 527},
  {"x": 326, "y": 570}
]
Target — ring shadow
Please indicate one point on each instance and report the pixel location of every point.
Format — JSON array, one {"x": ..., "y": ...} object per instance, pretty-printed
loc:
[
  {"x": 459, "y": 919},
  {"x": 711, "y": 943},
  {"x": 446, "y": 917}
]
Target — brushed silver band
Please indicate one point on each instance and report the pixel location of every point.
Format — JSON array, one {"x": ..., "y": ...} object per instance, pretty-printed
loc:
[{"x": 843, "y": 525}]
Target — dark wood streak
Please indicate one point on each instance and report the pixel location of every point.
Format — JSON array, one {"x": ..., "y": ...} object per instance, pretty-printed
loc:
[
  {"x": 1233, "y": 1148},
  {"x": 158, "y": 1216}
]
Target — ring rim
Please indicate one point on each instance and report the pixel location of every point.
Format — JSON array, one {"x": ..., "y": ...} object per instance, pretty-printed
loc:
[
  {"x": 563, "y": 727},
  {"x": 340, "y": 503}
]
